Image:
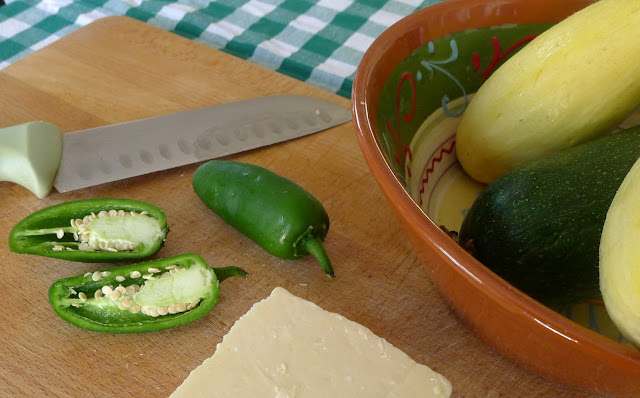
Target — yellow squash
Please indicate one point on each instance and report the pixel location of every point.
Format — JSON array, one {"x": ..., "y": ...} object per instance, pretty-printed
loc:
[
  {"x": 619, "y": 265},
  {"x": 574, "y": 82}
]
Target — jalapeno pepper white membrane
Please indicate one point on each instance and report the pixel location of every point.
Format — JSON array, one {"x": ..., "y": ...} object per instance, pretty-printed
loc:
[
  {"x": 113, "y": 230},
  {"x": 170, "y": 290}
]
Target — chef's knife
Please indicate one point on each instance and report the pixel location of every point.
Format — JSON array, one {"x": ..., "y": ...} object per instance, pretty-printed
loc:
[{"x": 110, "y": 153}]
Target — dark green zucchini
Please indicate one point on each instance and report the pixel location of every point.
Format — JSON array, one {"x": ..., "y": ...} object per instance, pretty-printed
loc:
[{"x": 539, "y": 226}]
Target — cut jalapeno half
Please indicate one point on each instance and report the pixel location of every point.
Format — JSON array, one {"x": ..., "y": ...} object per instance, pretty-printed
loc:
[
  {"x": 92, "y": 230},
  {"x": 143, "y": 297}
]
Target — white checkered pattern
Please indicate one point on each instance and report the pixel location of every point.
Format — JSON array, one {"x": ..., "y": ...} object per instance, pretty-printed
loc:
[{"x": 320, "y": 42}]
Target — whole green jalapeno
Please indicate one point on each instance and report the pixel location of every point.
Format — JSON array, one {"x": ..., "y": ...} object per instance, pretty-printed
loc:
[
  {"x": 92, "y": 230},
  {"x": 145, "y": 297},
  {"x": 276, "y": 213}
]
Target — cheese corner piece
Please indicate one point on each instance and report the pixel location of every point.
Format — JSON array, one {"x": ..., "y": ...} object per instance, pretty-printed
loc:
[
  {"x": 30, "y": 155},
  {"x": 287, "y": 347}
]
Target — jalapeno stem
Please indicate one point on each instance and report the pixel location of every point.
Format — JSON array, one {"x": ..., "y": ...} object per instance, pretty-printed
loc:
[{"x": 313, "y": 245}]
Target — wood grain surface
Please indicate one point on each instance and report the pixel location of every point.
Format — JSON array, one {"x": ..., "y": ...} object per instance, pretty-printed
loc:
[{"x": 118, "y": 69}]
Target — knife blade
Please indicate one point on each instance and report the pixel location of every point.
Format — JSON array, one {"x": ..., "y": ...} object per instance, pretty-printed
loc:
[{"x": 115, "y": 152}]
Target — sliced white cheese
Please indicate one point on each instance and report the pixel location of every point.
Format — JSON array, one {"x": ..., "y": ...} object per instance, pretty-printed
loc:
[{"x": 287, "y": 347}]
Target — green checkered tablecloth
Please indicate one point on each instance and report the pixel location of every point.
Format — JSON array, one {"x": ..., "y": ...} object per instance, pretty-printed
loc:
[{"x": 320, "y": 42}]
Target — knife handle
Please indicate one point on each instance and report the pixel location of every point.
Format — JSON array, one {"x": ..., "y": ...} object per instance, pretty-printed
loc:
[{"x": 30, "y": 154}]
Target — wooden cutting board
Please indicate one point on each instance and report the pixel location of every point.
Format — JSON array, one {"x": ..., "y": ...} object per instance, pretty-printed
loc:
[{"x": 118, "y": 69}]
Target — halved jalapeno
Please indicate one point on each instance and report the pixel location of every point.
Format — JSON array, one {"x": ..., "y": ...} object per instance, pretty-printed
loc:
[
  {"x": 92, "y": 230},
  {"x": 143, "y": 297}
]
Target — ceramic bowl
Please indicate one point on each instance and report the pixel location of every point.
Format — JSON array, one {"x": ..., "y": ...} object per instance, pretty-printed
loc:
[{"x": 409, "y": 91}]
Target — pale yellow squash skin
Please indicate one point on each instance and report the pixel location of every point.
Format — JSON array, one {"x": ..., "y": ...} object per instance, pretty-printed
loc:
[
  {"x": 574, "y": 82},
  {"x": 620, "y": 257}
]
